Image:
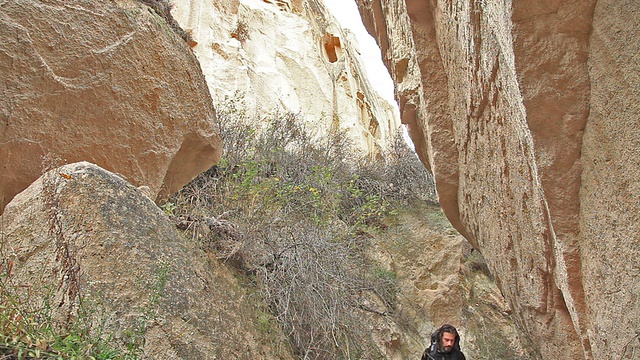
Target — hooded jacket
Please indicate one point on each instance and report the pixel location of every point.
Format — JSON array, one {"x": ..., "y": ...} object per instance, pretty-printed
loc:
[{"x": 433, "y": 351}]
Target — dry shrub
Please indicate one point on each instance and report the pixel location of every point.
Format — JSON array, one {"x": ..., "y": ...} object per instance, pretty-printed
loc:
[
  {"x": 302, "y": 212},
  {"x": 163, "y": 9}
]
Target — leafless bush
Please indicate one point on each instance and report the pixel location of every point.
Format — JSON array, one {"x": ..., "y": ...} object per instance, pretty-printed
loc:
[
  {"x": 404, "y": 174},
  {"x": 314, "y": 280},
  {"x": 241, "y": 32},
  {"x": 301, "y": 212},
  {"x": 163, "y": 9}
]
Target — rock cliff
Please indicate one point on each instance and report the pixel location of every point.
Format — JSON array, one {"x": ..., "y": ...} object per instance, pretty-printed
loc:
[
  {"x": 527, "y": 114},
  {"x": 289, "y": 56},
  {"x": 84, "y": 80},
  {"x": 105, "y": 82}
]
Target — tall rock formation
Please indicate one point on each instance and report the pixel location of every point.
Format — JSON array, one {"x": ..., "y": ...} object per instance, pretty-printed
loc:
[
  {"x": 609, "y": 192},
  {"x": 527, "y": 114},
  {"x": 289, "y": 56},
  {"x": 102, "y": 81}
]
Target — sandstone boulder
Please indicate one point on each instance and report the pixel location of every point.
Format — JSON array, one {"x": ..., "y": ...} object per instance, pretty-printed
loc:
[
  {"x": 106, "y": 258},
  {"x": 105, "y": 82}
]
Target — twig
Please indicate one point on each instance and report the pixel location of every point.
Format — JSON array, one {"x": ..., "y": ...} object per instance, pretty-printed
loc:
[{"x": 624, "y": 349}]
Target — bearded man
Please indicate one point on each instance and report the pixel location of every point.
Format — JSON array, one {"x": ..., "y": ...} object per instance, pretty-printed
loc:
[{"x": 445, "y": 345}]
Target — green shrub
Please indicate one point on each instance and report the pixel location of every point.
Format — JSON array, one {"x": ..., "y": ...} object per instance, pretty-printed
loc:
[{"x": 28, "y": 332}]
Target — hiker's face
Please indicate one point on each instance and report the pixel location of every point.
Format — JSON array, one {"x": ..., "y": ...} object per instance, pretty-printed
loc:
[{"x": 448, "y": 339}]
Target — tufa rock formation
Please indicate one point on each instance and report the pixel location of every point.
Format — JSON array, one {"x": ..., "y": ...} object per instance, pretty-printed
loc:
[
  {"x": 105, "y": 82},
  {"x": 527, "y": 114},
  {"x": 103, "y": 255},
  {"x": 291, "y": 56}
]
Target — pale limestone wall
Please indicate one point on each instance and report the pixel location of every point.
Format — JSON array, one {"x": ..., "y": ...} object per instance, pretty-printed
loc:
[
  {"x": 290, "y": 56},
  {"x": 498, "y": 96}
]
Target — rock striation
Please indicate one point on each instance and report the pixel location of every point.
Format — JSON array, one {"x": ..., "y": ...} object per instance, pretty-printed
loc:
[
  {"x": 105, "y": 82},
  {"x": 526, "y": 113}
]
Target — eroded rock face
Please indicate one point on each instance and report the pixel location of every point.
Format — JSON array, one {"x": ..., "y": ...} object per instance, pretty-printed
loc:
[
  {"x": 609, "y": 192},
  {"x": 440, "y": 282},
  {"x": 106, "y": 82},
  {"x": 276, "y": 56},
  {"x": 526, "y": 113},
  {"x": 91, "y": 243}
]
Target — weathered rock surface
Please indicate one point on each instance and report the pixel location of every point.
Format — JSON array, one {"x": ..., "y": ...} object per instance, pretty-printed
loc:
[
  {"x": 289, "y": 56},
  {"x": 90, "y": 243},
  {"x": 609, "y": 189},
  {"x": 105, "y": 82},
  {"x": 441, "y": 280},
  {"x": 527, "y": 114}
]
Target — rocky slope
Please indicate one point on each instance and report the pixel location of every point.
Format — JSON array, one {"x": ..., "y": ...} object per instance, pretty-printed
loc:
[
  {"x": 113, "y": 265},
  {"x": 442, "y": 280},
  {"x": 527, "y": 114}
]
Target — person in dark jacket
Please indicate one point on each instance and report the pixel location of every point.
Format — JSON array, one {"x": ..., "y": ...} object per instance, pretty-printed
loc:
[{"x": 445, "y": 345}]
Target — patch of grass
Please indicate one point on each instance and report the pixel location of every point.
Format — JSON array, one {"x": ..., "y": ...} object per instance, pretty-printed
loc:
[
  {"x": 265, "y": 323},
  {"x": 29, "y": 332},
  {"x": 384, "y": 274}
]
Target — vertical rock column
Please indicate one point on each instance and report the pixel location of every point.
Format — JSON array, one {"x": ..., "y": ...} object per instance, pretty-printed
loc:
[
  {"x": 472, "y": 118},
  {"x": 610, "y": 192},
  {"x": 500, "y": 197}
]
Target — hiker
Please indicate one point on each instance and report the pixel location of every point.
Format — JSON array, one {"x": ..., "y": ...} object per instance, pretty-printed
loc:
[{"x": 445, "y": 345}]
